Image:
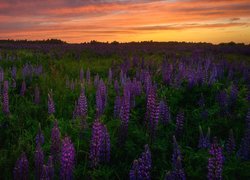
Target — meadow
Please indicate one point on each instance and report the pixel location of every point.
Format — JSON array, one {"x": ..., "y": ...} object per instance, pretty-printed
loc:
[{"x": 124, "y": 111}]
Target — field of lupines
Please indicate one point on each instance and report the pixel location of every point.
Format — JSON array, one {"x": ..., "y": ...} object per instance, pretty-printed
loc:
[{"x": 124, "y": 111}]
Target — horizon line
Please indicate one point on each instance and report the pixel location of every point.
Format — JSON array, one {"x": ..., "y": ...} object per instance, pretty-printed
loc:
[{"x": 121, "y": 42}]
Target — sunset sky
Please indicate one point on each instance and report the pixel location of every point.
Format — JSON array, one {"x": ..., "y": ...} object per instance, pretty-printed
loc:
[{"x": 123, "y": 20}]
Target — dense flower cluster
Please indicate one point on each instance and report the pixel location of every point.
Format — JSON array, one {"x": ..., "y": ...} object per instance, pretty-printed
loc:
[
  {"x": 67, "y": 159},
  {"x": 165, "y": 115},
  {"x": 81, "y": 106},
  {"x": 100, "y": 144},
  {"x": 142, "y": 166},
  {"x": 101, "y": 97},
  {"x": 152, "y": 111},
  {"x": 215, "y": 162},
  {"x": 21, "y": 169},
  {"x": 48, "y": 170},
  {"x": 177, "y": 173},
  {"x": 124, "y": 114}
]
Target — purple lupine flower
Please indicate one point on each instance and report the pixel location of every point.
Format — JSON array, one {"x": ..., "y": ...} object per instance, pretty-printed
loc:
[
  {"x": 134, "y": 172},
  {"x": 179, "y": 123},
  {"x": 21, "y": 169},
  {"x": 5, "y": 105},
  {"x": 55, "y": 142},
  {"x": 178, "y": 172},
  {"x": 39, "y": 160},
  {"x": 67, "y": 159},
  {"x": 23, "y": 88},
  {"x": 99, "y": 103},
  {"x": 244, "y": 151},
  {"x": 165, "y": 115},
  {"x": 101, "y": 97},
  {"x": 39, "y": 137},
  {"x": 95, "y": 147},
  {"x": 50, "y": 168},
  {"x": 141, "y": 167},
  {"x": 176, "y": 153},
  {"x": 37, "y": 95},
  {"x": 124, "y": 115},
  {"x": 152, "y": 113},
  {"x": 82, "y": 105},
  {"x": 215, "y": 162},
  {"x": 230, "y": 144},
  {"x": 154, "y": 119},
  {"x": 88, "y": 76},
  {"x": 51, "y": 104},
  {"x": 204, "y": 141},
  {"x": 100, "y": 144}
]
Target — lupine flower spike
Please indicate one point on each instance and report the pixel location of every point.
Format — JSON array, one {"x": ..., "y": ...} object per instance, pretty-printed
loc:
[
  {"x": 141, "y": 167},
  {"x": 67, "y": 159},
  {"x": 215, "y": 162},
  {"x": 21, "y": 169}
]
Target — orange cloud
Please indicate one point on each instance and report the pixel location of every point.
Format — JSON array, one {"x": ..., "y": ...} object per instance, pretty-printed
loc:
[{"x": 78, "y": 21}]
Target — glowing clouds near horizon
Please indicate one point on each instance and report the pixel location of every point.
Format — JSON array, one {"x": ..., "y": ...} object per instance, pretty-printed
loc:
[{"x": 79, "y": 21}]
